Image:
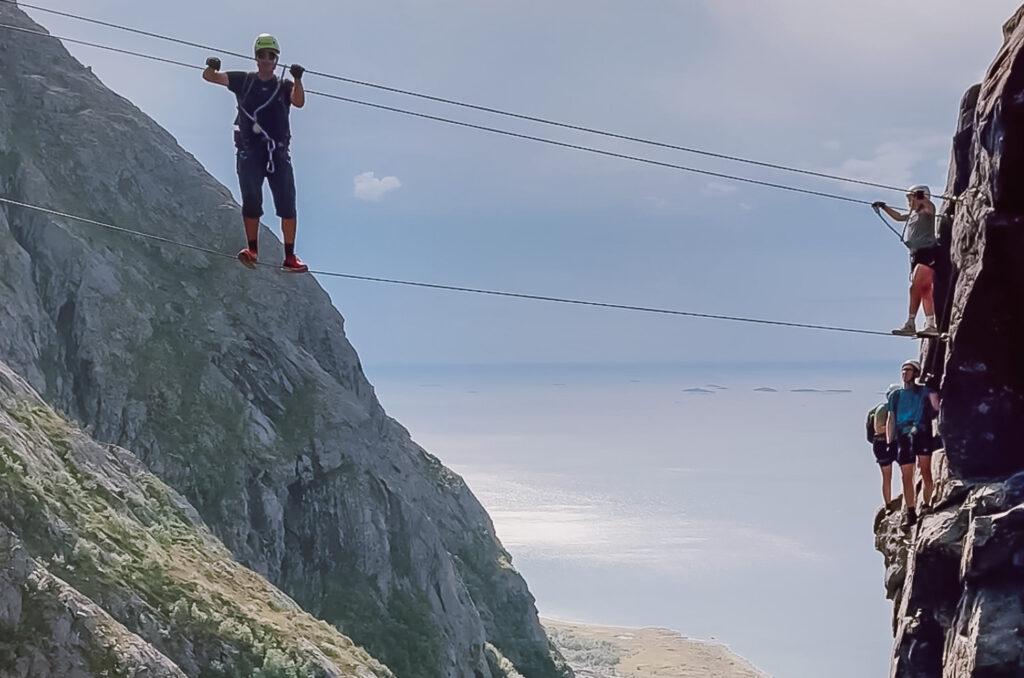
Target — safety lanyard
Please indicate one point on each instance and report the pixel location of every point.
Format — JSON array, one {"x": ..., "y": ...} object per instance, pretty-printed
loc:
[{"x": 901, "y": 236}]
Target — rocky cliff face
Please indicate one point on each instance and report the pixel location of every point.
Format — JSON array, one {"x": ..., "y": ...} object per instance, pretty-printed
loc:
[
  {"x": 237, "y": 388},
  {"x": 983, "y": 389},
  {"x": 104, "y": 570},
  {"x": 956, "y": 580}
]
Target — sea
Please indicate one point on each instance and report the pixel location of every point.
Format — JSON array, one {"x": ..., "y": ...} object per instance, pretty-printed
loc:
[{"x": 728, "y": 502}]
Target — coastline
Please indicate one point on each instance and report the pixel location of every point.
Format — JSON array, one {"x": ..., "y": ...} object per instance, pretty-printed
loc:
[{"x": 600, "y": 651}]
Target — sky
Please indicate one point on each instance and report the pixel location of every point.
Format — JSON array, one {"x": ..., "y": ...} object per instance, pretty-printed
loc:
[{"x": 869, "y": 89}]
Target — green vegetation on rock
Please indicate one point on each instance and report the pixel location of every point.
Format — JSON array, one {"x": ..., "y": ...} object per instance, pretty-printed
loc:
[{"x": 100, "y": 522}]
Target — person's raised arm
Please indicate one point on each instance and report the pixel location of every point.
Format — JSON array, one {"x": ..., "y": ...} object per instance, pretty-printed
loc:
[
  {"x": 890, "y": 211},
  {"x": 298, "y": 91},
  {"x": 212, "y": 72}
]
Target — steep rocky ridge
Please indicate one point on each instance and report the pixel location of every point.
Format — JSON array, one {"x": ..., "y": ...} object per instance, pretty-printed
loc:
[
  {"x": 957, "y": 579},
  {"x": 104, "y": 570},
  {"x": 237, "y": 388}
]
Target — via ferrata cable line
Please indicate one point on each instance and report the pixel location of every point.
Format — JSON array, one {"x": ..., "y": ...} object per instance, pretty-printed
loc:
[
  {"x": 483, "y": 128},
  {"x": 454, "y": 288},
  {"x": 479, "y": 107}
]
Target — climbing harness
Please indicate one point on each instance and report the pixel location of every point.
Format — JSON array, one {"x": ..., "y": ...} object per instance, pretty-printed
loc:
[{"x": 256, "y": 127}]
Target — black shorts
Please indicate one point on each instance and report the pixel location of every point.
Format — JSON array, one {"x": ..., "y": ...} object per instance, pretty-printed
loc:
[
  {"x": 251, "y": 165},
  {"x": 929, "y": 256},
  {"x": 910, "y": 446},
  {"x": 883, "y": 455}
]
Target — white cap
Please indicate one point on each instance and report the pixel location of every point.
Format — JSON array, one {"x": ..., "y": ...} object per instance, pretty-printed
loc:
[{"x": 920, "y": 187}]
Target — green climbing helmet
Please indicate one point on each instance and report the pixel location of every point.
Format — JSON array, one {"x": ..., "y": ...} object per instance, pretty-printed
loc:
[{"x": 266, "y": 41}]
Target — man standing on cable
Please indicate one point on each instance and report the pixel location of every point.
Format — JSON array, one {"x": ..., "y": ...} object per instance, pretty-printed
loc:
[
  {"x": 262, "y": 135},
  {"x": 919, "y": 236}
]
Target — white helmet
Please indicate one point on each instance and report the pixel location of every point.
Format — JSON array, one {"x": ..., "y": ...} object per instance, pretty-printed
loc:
[
  {"x": 920, "y": 188},
  {"x": 916, "y": 366}
]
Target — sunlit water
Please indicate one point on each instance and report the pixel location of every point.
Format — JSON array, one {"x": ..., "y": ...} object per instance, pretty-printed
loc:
[{"x": 677, "y": 496}]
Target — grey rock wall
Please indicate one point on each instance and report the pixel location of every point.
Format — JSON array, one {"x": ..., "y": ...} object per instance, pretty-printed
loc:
[
  {"x": 957, "y": 579},
  {"x": 238, "y": 388},
  {"x": 983, "y": 388}
]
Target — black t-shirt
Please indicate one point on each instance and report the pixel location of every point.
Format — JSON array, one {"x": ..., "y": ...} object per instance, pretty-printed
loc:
[{"x": 251, "y": 93}]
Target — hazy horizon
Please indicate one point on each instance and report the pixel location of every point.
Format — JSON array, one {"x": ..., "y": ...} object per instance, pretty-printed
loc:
[{"x": 623, "y": 504}]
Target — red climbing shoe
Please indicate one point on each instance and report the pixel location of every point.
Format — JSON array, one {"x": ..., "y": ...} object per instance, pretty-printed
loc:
[
  {"x": 293, "y": 264},
  {"x": 248, "y": 258}
]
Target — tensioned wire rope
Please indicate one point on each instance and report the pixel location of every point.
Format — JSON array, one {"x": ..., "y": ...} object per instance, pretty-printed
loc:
[
  {"x": 450, "y": 288},
  {"x": 462, "y": 123},
  {"x": 478, "y": 107}
]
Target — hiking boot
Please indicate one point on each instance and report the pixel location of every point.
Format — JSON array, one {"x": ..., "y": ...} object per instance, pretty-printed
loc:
[
  {"x": 248, "y": 258},
  {"x": 293, "y": 264},
  {"x": 929, "y": 330},
  {"x": 908, "y": 330},
  {"x": 910, "y": 518}
]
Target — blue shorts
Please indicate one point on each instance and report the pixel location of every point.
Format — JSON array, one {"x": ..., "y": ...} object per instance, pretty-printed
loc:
[{"x": 251, "y": 165}]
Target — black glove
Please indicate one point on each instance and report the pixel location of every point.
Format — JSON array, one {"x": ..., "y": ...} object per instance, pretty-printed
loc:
[
  {"x": 296, "y": 71},
  {"x": 877, "y": 205},
  {"x": 214, "y": 63}
]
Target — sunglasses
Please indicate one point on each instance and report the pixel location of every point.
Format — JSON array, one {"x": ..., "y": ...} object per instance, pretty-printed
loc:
[{"x": 266, "y": 54}]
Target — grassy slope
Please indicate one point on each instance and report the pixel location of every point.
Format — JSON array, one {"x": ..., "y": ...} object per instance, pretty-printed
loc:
[{"x": 99, "y": 521}]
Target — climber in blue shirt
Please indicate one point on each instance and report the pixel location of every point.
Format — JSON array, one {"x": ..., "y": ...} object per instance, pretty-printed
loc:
[
  {"x": 909, "y": 431},
  {"x": 262, "y": 135}
]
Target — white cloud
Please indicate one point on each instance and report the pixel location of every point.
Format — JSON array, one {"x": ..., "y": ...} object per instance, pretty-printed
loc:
[
  {"x": 367, "y": 186},
  {"x": 716, "y": 188},
  {"x": 654, "y": 202},
  {"x": 910, "y": 160},
  {"x": 853, "y": 35}
]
